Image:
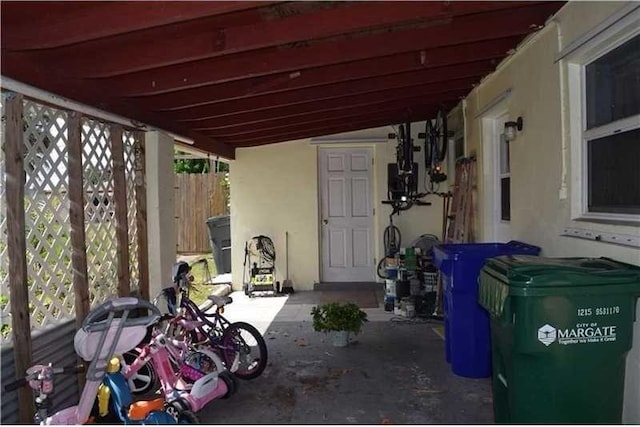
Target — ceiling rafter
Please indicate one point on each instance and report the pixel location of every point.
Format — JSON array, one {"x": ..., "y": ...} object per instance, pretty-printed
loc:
[
  {"x": 202, "y": 39},
  {"x": 347, "y": 127},
  {"x": 48, "y": 24},
  {"x": 331, "y": 116},
  {"x": 459, "y": 89},
  {"x": 235, "y": 74},
  {"x": 87, "y": 93},
  {"x": 465, "y": 29},
  {"x": 400, "y": 114},
  {"x": 398, "y": 81},
  {"x": 411, "y": 61}
]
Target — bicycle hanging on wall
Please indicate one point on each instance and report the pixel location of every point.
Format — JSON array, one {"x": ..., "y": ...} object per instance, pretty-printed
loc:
[
  {"x": 402, "y": 176},
  {"x": 435, "y": 149}
]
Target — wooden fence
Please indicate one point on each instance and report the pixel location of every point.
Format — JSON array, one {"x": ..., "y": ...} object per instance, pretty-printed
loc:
[{"x": 197, "y": 198}]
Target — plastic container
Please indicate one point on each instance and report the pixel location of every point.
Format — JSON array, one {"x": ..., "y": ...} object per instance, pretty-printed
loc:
[
  {"x": 220, "y": 237},
  {"x": 466, "y": 323},
  {"x": 561, "y": 329}
]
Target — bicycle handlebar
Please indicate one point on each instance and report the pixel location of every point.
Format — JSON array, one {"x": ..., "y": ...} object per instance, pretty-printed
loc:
[
  {"x": 67, "y": 370},
  {"x": 123, "y": 304}
]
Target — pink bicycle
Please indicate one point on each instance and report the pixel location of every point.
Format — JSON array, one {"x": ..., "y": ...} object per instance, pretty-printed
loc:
[
  {"x": 109, "y": 329},
  {"x": 189, "y": 377}
]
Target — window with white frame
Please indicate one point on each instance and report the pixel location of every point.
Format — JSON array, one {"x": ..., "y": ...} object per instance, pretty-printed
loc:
[{"x": 605, "y": 78}]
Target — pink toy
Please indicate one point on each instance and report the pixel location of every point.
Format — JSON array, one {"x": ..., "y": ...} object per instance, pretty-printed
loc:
[{"x": 200, "y": 377}]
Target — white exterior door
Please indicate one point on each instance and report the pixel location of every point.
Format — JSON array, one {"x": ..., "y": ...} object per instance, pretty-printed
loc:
[
  {"x": 347, "y": 214},
  {"x": 497, "y": 180}
]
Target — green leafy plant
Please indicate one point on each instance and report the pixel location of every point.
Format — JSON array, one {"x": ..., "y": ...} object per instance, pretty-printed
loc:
[{"x": 335, "y": 316}]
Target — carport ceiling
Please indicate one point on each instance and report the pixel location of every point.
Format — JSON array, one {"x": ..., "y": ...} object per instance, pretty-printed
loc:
[{"x": 242, "y": 74}]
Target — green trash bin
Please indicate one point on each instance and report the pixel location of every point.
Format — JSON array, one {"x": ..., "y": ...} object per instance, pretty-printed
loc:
[{"x": 561, "y": 329}]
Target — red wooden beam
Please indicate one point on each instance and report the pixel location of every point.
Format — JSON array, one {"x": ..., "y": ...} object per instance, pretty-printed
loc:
[
  {"x": 42, "y": 25},
  {"x": 87, "y": 92},
  {"x": 400, "y": 109},
  {"x": 328, "y": 119},
  {"x": 195, "y": 40},
  {"x": 349, "y": 88},
  {"x": 346, "y": 127},
  {"x": 431, "y": 90},
  {"x": 465, "y": 29},
  {"x": 408, "y": 104},
  {"x": 410, "y": 61}
]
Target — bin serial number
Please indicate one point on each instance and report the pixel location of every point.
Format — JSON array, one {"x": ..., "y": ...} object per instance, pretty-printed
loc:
[{"x": 599, "y": 311}]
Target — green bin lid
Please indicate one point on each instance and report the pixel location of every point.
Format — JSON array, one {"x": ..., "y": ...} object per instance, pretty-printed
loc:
[
  {"x": 527, "y": 275},
  {"x": 527, "y": 271}
]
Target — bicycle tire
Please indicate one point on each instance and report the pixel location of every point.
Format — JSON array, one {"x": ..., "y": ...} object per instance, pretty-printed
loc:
[
  {"x": 187, "y": 417},
  {"x": 399, "y": 149},
  {"x": 390, "y": 241},
  {"x": 180, "y": 412},
  {"x": 145, "y": 382},
  {"x": 407, "y": 150},
  {"x": 230, "y": 380},
  {"x": 441, "y": 139},
  {"x": 428, "y": 146},
  {"x": 236, "y": 351}
]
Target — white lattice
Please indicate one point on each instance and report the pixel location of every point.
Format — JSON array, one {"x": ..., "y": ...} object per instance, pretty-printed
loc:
[
  {"x": 100, "y": 227},
  {"x": 47, "y": 225},
  {"x": 131, "y": 157},
  {"x": 47, "y": 228}
]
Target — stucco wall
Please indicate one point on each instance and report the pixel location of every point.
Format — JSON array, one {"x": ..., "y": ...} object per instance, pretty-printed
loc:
[
  {"x": 160, "y": 219},
  {"x": 539, "y": 210},
  {"x": 274, "y": 189}
]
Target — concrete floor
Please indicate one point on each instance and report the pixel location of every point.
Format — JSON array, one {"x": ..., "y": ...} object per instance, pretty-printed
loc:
[{"x": 394, "y": 372}]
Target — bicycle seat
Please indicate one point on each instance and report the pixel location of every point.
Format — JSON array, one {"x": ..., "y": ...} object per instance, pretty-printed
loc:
[
  {"x": 103, "y": 334},
  {"x": 220, "y": 301}
]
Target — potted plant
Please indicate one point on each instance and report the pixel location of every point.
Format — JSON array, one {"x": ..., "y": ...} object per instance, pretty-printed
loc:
[{"x": 340, "y": 319}]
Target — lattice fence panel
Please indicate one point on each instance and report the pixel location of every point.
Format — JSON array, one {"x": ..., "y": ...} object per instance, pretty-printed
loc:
[
  {"x": 5, "y": 315},
  {"x": 131, "y": 159},
  {"x": 47, "y": 224},
  {"x": 100, "y": 227},
  {"x": 47, "y": 227}
]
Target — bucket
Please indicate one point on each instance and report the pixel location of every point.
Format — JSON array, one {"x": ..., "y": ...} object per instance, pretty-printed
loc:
[
  {"x": 408, "y": 307},
  {"x": 392, "y": 272},
  {"x": 416, "y": 288},
  {"x": 340, "y": 338},
  {"x": 390, "y": 288}
]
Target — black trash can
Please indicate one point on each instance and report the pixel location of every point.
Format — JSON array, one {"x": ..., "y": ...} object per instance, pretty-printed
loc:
[{"x": 220, "y": 237}]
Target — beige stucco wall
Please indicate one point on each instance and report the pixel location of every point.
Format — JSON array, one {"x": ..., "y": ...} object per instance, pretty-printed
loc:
[
  {"x": 274, "y": 189},
  {"x": 160, "y": 220},
  {"x": 539, "y": 212}
]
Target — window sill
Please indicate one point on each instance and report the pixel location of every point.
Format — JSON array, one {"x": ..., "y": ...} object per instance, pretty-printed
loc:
[{"x": 612, "y": 219}]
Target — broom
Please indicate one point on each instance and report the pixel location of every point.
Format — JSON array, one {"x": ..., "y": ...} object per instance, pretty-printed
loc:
[{"x": 287, "y": 285}]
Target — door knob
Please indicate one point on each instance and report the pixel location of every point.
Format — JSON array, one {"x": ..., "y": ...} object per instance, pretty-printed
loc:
[{"x": 325, "y": 221}]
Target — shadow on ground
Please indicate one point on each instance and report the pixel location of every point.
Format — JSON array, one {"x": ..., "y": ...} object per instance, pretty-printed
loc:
[{"x": 394, "y": 372}]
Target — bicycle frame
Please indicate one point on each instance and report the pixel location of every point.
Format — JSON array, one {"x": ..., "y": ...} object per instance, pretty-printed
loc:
[
  {"x": 165, "y": 353},
  {"x": 212, "y": 325}
]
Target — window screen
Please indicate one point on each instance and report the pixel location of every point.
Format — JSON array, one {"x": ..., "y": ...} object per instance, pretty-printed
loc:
[
  {"x": 614, "y": 173},
  {"x": 613, "y": 85}
]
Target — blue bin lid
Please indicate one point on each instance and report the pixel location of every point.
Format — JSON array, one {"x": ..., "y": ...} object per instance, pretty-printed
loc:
[{"x": 461, "y": 251}]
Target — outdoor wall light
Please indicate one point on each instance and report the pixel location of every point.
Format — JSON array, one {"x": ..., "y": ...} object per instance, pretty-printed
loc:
[{"x": 510, "y": 129}]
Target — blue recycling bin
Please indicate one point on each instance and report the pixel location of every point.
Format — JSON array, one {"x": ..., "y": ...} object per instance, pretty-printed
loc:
[{"x": 466, "y": 324}]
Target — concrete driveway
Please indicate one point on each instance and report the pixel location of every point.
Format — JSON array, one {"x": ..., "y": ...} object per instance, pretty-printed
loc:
[{"x": 394, "y": 372}]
